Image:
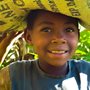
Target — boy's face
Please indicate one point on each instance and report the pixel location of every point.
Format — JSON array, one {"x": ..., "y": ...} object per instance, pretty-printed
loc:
[{"x": 54, "y": 38}]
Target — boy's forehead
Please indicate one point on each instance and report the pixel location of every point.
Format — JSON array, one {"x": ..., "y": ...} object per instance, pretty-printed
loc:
[{"x": 48, "y": 15}]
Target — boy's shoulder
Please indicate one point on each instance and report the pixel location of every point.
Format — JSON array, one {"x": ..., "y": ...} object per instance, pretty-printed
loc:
[
  {"x": 24, "y": 64},
  {"x": 18, "y": 66},
  {"x": 15, "y": 71},
  {"x": 80, "y": 62},
  {"x": 81, "y": 65}
]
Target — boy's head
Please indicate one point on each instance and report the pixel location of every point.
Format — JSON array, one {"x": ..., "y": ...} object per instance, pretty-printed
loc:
[{"x": 54, "y": 36}]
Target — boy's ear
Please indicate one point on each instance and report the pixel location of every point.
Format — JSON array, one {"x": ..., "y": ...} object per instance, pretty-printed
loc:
[{"x": 27, "y": 36}]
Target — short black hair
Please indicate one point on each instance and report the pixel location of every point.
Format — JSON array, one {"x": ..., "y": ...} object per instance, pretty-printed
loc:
[{"x": 32, "y": 15}]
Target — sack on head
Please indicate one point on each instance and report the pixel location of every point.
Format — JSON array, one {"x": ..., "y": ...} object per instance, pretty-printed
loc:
[{"x": 14, "y": 12}]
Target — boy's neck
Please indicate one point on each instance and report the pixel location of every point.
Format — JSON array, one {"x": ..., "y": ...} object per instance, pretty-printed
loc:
[{"x": 53, "y": 71}]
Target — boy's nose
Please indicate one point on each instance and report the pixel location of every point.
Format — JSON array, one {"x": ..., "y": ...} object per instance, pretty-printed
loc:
[
  {"x": 59, "y": 38},
  {"x": 58, "y": 41}
]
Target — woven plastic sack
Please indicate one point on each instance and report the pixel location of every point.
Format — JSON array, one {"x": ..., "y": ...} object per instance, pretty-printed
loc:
[{"x": 13, "y": 12}]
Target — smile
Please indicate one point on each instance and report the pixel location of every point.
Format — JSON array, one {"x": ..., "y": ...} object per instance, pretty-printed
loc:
[{"x": 59, "y": 51}]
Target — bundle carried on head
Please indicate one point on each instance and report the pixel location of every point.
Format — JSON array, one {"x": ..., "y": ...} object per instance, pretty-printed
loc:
[{"x": 14, "y": 12}]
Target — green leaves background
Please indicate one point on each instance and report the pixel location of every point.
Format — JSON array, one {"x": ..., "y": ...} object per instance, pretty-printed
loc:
[{"x": 83, "y": 50}]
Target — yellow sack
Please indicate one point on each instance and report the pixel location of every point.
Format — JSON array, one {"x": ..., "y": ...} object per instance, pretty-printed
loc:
[{"x": 13, "y": 12}]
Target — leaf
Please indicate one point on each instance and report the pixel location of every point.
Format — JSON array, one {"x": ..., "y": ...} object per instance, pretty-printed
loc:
[{"x": 80, "y": 52}]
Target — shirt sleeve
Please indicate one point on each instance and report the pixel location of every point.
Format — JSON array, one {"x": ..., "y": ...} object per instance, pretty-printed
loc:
[{"x": 5, "y": 83}]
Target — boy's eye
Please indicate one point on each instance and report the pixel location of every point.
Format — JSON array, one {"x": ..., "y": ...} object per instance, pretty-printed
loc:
[
  {"x": 70, "y": 30},
  {"x": 46, "y": 30}
]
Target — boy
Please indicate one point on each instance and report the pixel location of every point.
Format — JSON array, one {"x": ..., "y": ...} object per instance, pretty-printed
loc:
[{"x": 54, "y": 37}]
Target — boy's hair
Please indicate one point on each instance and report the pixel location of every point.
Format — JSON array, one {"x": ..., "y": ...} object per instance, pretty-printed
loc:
[{"x": 32, "y": 15}]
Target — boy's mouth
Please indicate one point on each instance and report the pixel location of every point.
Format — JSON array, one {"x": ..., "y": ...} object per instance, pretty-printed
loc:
[{"x": 59, "y": 51}]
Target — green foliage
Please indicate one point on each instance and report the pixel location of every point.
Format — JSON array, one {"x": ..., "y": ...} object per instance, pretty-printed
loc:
[
  {"x": 83, "y": 50},
  {"x": 12, "y": 56}
]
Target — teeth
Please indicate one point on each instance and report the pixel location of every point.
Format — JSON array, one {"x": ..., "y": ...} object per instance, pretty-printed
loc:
[{"x": 58, "y": 52}]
